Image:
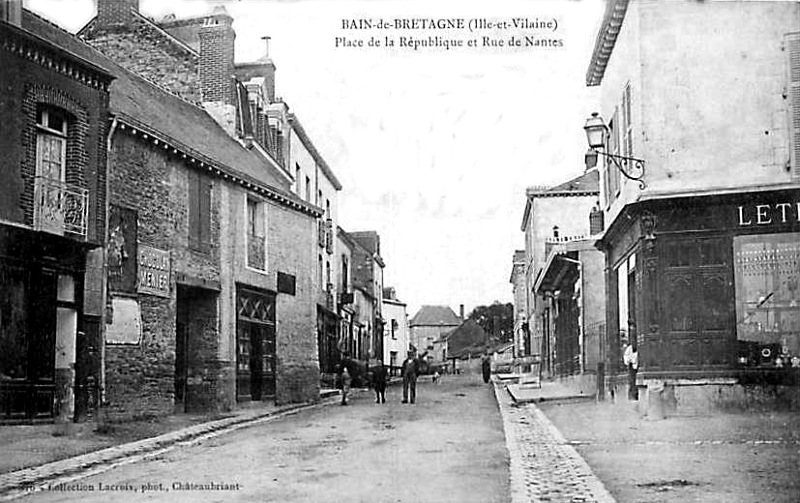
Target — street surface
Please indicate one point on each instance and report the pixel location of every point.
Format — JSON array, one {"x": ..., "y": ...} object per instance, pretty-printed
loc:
[
  {"x": 722, "y": 457},
  {"x": 449, "y": 446}
]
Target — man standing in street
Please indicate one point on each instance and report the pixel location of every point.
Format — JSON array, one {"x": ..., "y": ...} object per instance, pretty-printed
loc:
[
  {"x": 346, "y": 380},
  {"x": 410, "y": 369},
  {"x": 379, "y": 383},
  {"x": 631, "y": 360},
  {"x": 486, "y": 367}
]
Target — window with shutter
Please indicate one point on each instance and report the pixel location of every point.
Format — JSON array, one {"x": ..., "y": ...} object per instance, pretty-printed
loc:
[
  {"x": 255, "y": 236},
  {"x": 627, "y": 126},
  {"x": 199, "y": 212},
  {"x": 793, "y": 56}
]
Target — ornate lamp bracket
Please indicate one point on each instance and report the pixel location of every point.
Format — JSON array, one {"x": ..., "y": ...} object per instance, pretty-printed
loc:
[{"x": 631, "y": 168}]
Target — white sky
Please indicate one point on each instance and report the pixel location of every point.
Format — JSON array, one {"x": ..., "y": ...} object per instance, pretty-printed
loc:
[{"x": 434, "y": 148}]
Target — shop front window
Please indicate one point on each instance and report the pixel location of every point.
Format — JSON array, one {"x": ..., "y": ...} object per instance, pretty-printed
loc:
[{"x": 767, "y": 275}]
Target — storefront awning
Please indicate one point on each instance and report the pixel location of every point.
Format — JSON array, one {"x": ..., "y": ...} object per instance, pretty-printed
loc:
[{"x": 561, "y": 265}]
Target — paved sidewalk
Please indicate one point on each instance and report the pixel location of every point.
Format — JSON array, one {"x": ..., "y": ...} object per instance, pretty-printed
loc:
[
  {"x": 544, "y": 467},
  {"x": 16, "y": 483},
  {"x": 548, "y": 390}
]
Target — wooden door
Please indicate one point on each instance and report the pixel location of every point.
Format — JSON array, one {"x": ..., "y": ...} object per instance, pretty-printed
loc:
[{"x": 697, "y": 306}]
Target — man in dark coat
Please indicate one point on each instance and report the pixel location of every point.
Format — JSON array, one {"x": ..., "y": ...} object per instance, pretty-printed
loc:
[
  {"x": 410, "y": 370},
  {"x": 486, "y": 367},
  {"x": 379, "y": 382}
]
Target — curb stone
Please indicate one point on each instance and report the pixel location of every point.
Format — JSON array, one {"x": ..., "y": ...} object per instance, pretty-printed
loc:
[
  {"x": 22, "y": 482},
  {"x": 543, "y": 466}
]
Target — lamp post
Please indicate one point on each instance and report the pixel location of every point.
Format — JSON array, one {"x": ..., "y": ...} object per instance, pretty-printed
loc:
[{"x": 596, "y": 131}]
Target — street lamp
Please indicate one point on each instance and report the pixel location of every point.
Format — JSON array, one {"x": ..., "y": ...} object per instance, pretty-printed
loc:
[{"x": 596, "y": 131}]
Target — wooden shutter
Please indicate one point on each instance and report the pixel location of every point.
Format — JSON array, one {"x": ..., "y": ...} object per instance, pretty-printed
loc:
[
  {"x": 793, "y": 60},
  {"x": 205, "y": 211},
  {"x": 199, "y": 211},
  {"x": 193, "y": 210},
  {"x": 628, "y": 128}
]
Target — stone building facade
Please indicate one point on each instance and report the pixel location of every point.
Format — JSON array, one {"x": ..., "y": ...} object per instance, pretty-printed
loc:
[
  {"x": 194, "y": 58},
  {"x": 571, "y": 290},
  {"x": 316, "y": 183},
  {"x": 211, "y": 299},
  {"x": 552, "y": 215},
  {"x": 367, "y": 270}
]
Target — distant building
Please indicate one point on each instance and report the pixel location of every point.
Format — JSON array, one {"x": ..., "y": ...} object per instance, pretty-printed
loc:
[
  {"x": 519, "y": 290},
  {"x": 429, "y": 324},
  {"x": 346, "y": 341},
  {"x": 395, "y": 331},
  {"x": 468, "y": 340},
  {"x": 367, "y": 269}
]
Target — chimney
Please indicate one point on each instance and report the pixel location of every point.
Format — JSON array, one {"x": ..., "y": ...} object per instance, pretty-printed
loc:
[
  {"x": 461, "y": 311},
  {"x": 596, "y": 220},
  {"x": 269, "y": 72},
  {"x": 11, "y": 12},
  {"x": 216, "y": 57},
  {"x": 217, "y": 70},
  {"x": 116, "y": 13}
]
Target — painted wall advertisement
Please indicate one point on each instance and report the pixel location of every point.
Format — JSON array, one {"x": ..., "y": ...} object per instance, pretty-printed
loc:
[{"x": 154, "y": 270}]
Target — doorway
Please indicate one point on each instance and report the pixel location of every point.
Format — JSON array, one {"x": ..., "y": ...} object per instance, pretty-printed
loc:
[
  {"x": 196, "y": 343},
  {"x": 255, "y": 344},
  {"x": 28, "y": 341}
]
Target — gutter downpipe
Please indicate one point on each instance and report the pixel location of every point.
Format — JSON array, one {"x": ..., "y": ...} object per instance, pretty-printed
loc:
[{"x": 111, "y": 131}]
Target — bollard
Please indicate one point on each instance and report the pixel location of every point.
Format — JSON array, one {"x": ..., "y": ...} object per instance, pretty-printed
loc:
[
  {"x": 655, "y": 401},
  {"x": 601, "y": 381}
]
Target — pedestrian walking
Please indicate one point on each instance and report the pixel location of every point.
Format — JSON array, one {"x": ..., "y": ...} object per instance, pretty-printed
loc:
[
  {"x": 410, "y": 370},
  {"x": 631, "y": 360},
  {"x": 379, "y": 383},
  {"x": 346, "y": 380},
  {"x": 486, "y": 367}
]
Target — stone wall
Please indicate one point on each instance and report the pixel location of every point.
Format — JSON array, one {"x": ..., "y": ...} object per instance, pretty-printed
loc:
[
  {"x": 290, "y": 248},
  {"x": 148, "y": 53},
  {"x": 140, "y": 378}
]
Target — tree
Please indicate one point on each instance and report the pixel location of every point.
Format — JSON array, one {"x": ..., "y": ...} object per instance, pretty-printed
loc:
[{"x": 497, "y": 319}]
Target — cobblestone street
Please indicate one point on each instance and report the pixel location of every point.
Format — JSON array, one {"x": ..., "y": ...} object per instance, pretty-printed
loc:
[
  {"x": 543, "y": 466},
  {"x": 448, "y": 447}
]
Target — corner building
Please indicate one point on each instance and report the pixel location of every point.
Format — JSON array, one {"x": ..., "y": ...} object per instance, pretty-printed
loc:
[{"x": 702, "y": 262}]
